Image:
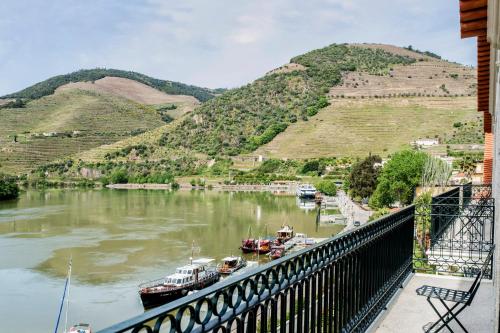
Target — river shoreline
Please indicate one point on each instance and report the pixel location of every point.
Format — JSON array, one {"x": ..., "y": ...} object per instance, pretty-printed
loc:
[{"x": 277, "y": 189}]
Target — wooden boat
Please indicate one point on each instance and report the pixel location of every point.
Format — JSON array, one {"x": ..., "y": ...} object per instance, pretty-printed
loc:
[
  {"x": 80, "y": 328},
  {"x": 285, "y": 233},
  {"x": 230, "y": 265},
  {"x": 276, "y": 253},
  {"x": 194, "y": 276},
  {"x": 251, "y": 245}
]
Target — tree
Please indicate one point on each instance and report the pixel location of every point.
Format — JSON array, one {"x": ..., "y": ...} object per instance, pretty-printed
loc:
[
  {"x": 119, "y": 177},
  {"x": 327, "y": 187},
  {"x": 399, "y": 178},
  {"x": 310, "y": 166},
  {"x": 8, "y": 188},
  {"x": 363, "y": 178}
]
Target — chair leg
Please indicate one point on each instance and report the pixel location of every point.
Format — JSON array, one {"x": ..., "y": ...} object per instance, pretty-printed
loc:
[
  {"x": 441, "y": 319},
  {"x": 454, "y": 315}
]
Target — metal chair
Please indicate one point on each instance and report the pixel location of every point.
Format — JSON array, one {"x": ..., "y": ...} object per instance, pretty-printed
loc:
[{"x": 462, "y": 299}]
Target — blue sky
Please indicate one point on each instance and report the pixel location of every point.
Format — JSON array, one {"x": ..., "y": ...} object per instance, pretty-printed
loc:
[{"x": 217, "y": 43}]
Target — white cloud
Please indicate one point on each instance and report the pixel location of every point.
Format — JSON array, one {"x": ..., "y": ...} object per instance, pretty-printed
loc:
[{"x": 212, "y": 43}]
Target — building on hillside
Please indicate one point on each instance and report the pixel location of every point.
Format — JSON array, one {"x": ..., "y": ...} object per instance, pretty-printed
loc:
[{"x": 426, "y": 142}]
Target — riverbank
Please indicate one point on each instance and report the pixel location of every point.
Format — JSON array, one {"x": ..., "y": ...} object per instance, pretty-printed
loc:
[{"x": 277, "y": 189}]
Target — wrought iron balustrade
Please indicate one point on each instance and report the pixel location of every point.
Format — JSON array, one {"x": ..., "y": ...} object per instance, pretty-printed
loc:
[
  {"x": 340, "y": 285},
  {"x": 455, "y": 232}
]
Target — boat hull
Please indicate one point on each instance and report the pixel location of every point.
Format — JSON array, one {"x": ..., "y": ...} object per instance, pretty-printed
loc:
[
  {"x": 230, "y": 271},
  {"x": 153, "y": 299}
]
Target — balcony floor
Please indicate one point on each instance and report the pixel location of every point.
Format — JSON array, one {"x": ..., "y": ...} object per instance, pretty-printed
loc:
[{"x": 409, "y": 313}]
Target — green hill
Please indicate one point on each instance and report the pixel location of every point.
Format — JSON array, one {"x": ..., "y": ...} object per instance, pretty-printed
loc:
[
  {"x": 341, "y": 100},
  {"x": 241, "y": 120},
  {"x": 49, "y": 86},
  {"x": 66, "y": 123}
]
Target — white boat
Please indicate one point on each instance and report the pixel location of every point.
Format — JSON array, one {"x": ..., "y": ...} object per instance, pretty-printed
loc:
[
  {"x": 230, "y": 265},
  {"x": 197, "y": 275},
  {"x": 306, "y": 191},
  {"x": 80, "y": 328}
]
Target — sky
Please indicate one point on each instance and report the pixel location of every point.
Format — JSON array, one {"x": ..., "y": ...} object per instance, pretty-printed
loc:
[{"x": 216, "y": 43}]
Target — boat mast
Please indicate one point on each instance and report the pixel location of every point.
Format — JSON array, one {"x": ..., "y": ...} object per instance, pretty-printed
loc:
[
  {"x": 63, "y": 297},
  {"x": 67, "y": 298}
]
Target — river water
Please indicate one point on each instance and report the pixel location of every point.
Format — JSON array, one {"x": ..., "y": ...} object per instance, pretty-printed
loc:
[{"x": 118, "y": 239}]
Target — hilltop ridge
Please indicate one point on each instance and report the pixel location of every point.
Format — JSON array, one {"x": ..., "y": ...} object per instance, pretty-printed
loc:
[
  {"x": 313, "y": 102},
  {"x": 50, "y": 85}
]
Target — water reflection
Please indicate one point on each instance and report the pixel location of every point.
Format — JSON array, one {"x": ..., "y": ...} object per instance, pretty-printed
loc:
[{"x": 120, "y": 238}]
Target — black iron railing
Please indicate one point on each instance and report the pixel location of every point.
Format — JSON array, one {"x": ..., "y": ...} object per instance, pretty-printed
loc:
[
  {"x": 455, "y": 232},
  {"x": 340, "y": 285},
  {"x": 444, "y": 208}
]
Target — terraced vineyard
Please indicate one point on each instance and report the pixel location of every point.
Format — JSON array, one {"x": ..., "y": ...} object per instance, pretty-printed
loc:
[
  {"x": 380, "y": 126},
  {"x": 65, "y": 123}
]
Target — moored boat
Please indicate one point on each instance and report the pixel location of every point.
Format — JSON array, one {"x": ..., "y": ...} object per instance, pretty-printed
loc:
[
  {"x": 188, "y": 278},
  {"x": 230, "y": 265},
  {"x": 306, "y": 191},
  {"x": 276, "y": 253},
  {"x": 250, "y": 245},
  {"x": 80, "y": 328},
  {"x": 285, "y": 233}
]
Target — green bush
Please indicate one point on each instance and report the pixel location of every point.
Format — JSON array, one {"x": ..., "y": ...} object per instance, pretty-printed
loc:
[
  {"x": 8, "y": 188},
  {"x": 310, "y": 166},
  {"x": 379, "y": 213},
  {"x": 327, "y": 187},
  {"x": 119, "y": 177}
]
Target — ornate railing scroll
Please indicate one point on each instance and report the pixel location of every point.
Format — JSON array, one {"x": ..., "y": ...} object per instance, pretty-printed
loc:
[
  {"x": 340, "y": 285},
  {"x": 453, "y": 236}
]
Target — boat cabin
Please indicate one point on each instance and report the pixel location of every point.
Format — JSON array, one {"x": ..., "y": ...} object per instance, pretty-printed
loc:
[
  {"x": 285, "y": 233},
  {"x": 189, "y": 273},
  {"x": 179, "y": 279},
  {"x": 230, "y": 261}
]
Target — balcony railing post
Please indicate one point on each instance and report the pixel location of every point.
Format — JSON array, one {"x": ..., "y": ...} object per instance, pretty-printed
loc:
[{"x": 460, "y": 233}]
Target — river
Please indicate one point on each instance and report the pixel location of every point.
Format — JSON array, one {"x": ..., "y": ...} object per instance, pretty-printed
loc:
[{"x": 118, "y": 239}]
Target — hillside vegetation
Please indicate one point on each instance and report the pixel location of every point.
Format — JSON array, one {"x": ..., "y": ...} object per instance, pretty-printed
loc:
[
  {"x": 58, "y": 125},
  {"x": 341, "y": 100},
  {"x": 241, "y": 120},
  {"x": 381, "y": 126},
  {"x": 48, "y": 87}
]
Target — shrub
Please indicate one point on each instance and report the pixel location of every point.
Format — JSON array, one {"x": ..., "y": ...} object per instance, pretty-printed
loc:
[
  {"x": 119, "y": 177},
  {"x": 379, "y": 213},
  {"x": 8, "y": 188},
  {"x": 310, "y": 166},
  {"x": 327, "y": 187}
]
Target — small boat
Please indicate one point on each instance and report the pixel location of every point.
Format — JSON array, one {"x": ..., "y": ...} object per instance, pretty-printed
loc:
[
  {"x": 230, "y": 265},
  {"x": 250, "y": 245},
  {"x": 80, "y": 328},
  {"x": 194, "y": 276},
  {"x": 306, "y": 191},
  {"x": 276, "y": 253},
  {"x": 285, "y": 233}
]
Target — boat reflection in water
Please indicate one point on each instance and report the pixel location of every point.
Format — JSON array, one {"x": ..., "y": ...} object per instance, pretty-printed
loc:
[
  {"x": 306, "y": 204},
  {"x": 194, "y": 276}
]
